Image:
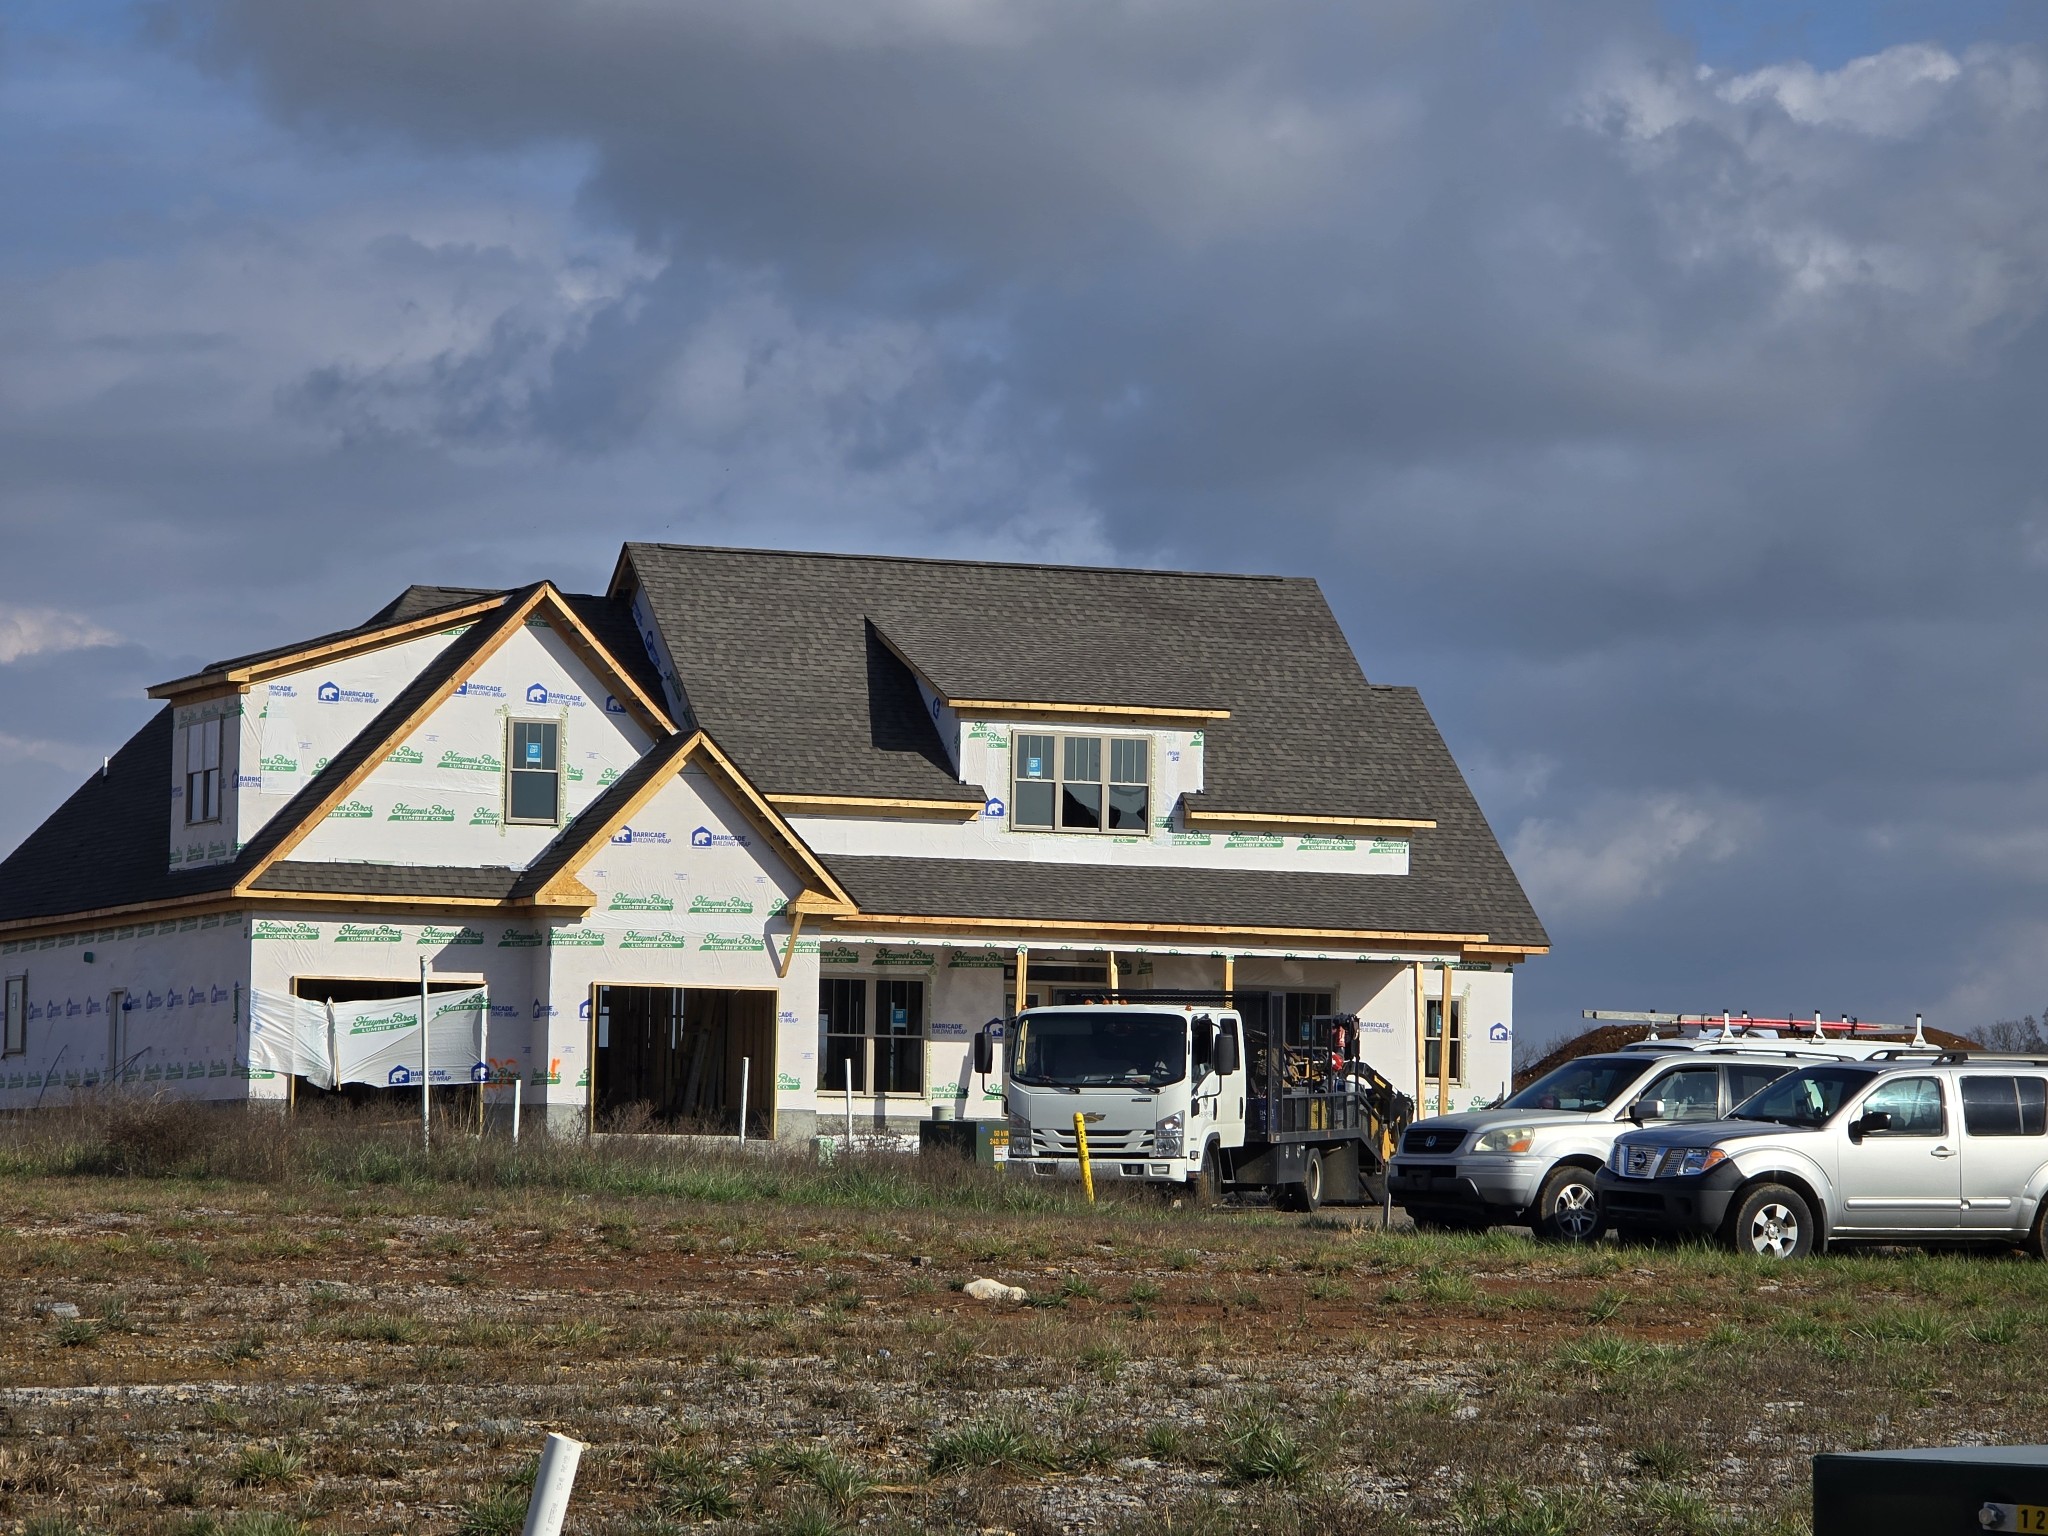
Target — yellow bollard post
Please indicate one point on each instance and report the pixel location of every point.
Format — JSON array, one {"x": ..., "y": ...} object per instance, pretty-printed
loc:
[{"x": 1081, "y": 1142}]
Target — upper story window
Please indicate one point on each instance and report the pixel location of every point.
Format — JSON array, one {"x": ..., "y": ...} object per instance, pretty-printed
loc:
[
  {"x": 202, "y": 771},
  {"x": 1082, "y": 783},
  {"x": 533, "y": 772}
]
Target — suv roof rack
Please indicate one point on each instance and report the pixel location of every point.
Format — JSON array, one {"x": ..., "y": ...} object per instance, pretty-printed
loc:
[{"x": 1989, "y": 1058}]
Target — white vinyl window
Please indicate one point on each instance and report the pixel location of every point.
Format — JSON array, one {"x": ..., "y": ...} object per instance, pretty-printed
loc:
[
  {"x": 1081, "y": 783},
  {"x": 533, "y": 772},
  {"x": 14, "y": 1017},
  {"x": 202, "y": 771}
]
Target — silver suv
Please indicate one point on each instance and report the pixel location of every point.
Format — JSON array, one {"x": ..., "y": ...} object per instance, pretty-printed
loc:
[
  {"x": 1952, "y": 1148},
  {"x": 1533, "y": 1158}
]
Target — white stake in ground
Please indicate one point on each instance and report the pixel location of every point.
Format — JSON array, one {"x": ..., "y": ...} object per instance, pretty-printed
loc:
[
  {"x": 426, "y": 1120},
  {"x": 745, "y": 1063},
  {"x": 552, "y": 1481}
]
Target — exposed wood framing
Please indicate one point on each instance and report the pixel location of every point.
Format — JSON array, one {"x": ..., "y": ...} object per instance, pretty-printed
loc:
[
  {"x": 867, "y": 805},
  {"x": 1138, "y": 713},
  {"x": 796, "y": 928},
  {"x": 1023, "y": 969},
  {"x": 1205, "y": 931},
  {"x": 1306, "y": 823}
]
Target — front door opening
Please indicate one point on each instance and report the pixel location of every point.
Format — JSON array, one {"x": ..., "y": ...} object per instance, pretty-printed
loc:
[{"x": 673, "y": 1056}]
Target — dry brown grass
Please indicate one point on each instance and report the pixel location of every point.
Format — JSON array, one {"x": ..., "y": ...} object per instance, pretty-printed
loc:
[{"x": 282, "y": 1349}]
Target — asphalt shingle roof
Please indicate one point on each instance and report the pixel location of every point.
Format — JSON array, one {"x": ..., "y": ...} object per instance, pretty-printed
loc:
[
  {"x": 783, "y": 659},
  {"x": 456, "y": 883}
]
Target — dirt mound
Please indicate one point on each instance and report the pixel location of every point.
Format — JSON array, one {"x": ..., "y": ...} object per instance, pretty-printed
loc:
[{"x": 1612, "y": 1037}]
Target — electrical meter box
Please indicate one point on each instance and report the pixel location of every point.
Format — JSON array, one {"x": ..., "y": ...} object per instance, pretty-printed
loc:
[{"x": 1958, "y": 1491}]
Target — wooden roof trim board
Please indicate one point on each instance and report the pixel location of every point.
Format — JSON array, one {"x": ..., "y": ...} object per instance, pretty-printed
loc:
[
  {"x": 1092, "y": 925},
  {"x": 1160, "y": 714},
  {"x": 509, "y": 622},
  {"x": 765, "y": 818},
  {"x": 868, "y": 805},
  {"x": 226, "y": 679},
  {"x": 652, "y": 715},
  {"x": 1307, "y": 823},
  {"x": 198, "y": 904}
]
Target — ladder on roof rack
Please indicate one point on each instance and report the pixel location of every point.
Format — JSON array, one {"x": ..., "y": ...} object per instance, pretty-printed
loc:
[{"x": 1734, "y": 1026}]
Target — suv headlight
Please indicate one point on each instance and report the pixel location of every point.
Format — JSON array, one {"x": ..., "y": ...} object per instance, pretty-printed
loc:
[
  {"x": 1700, "y": 1159},
  {"x": 1170, "y": 1134},
  {"x": 1509, "y": 1138}
]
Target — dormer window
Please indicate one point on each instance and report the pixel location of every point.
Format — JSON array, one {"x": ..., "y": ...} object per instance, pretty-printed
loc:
[
  {"x": 202, "y": 771},
  {"x": 1082, "y": 783}
]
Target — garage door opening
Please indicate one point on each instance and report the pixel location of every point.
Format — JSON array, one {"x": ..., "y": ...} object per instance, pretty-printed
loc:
[
  {"x": 459, "y": 1100},
  {"x": 671, "y": 1058}
]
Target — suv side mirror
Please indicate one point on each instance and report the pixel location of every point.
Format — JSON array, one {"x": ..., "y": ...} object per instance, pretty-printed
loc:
[
  {"x": 1646, "y": 1109},
  {"x": 1226, "y": 1054},
  {"x": 1877, "y": 1120},
  {"x": 984, "y": 1053}
]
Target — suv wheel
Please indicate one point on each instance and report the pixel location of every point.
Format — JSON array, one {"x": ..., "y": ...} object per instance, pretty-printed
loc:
[
  {"x": 2037, "y": 1240},
  {"x": 1772, "y": 1222},
  {"x": 1568, "y": 1208}
]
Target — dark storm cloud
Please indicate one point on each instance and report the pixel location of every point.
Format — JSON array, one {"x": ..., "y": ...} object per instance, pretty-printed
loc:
[{"x": 1674, "y": 429}]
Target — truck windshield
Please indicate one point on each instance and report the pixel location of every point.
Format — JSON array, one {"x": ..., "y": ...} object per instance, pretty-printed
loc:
[
  {"x": 1082, "y": 1050},
  {"x": 1585, "y": 1085},
  {"x": 1809, "y": 1098}
]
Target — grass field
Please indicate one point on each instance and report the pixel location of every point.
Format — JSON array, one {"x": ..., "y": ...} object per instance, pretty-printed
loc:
[{"x": 314, "y": 1330}]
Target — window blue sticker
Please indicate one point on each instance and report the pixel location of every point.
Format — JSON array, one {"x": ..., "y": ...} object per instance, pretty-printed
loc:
[
  {"x": 533, "y": 751},
  {"x": 899, "y": 1016},
  {"x": 1032, "y": 769}
]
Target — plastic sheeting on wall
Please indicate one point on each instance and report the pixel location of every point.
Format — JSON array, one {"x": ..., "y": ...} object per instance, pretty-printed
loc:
[{"x": 374, "y": 1042}]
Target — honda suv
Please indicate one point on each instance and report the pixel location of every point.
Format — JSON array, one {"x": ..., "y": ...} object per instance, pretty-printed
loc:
[
  {"x": 1952, "y": 1148},
  {"x": 1533, "y": 1158}
]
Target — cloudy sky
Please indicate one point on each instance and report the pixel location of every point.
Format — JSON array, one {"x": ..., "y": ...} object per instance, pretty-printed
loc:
[{"x": 1659, "y": 387}]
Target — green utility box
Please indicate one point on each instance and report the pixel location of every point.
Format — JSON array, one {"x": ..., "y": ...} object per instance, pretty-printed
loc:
[
  {"x": 976, "y": 1139},
  {"x": 1952, "y": 1491}
]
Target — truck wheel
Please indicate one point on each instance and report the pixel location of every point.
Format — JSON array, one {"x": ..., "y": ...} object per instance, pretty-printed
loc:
[
  {"x": 1772, "y": 1222},
  {"x": 1568, "y": 1208},
  {"x": 1208, "y": 1185},
  {"x": 1310, "y": 1198}
]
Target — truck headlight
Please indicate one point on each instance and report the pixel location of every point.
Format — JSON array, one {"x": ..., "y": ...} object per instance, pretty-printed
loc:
[
  {"x": 1170, "y": 1134},
  {"x": 1509, "y": 1138},
  {"x": 1700, "y": 1159}
]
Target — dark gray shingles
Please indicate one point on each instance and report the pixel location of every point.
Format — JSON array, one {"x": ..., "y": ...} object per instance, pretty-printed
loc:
[
  {"x": 612, "y": 624},
  {"x": 309, "y": 877},
  {"x": 779, "y": 658},
  {"x": 1024, "y": 892},
  {"x": 109, "y": 844}
]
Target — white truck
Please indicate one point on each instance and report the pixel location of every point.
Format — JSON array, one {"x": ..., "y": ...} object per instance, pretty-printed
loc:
[{"x": 1212, "y": 1090}]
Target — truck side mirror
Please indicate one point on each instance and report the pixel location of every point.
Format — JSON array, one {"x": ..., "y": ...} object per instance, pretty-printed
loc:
[
  {"x": 1226, "y": 1055},
  {"x": 1646, "y": 1109},
  {"x": 984, "y": 1053}
]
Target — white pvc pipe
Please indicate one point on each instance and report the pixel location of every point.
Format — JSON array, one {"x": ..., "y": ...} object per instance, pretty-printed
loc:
[
  {"x": 426, "y": 1110},
  {"x": 515, "y": 1111},
  {"x": 746, "y": 1062},
  {"x": 551, "y": 1484},
  {"x": 849, "y": 1102}
]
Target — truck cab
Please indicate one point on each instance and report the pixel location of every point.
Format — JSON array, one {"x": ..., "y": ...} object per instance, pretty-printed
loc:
[
  {"x": 1160, "y": 1089},
  {"x": 1217, "y": 1091}
]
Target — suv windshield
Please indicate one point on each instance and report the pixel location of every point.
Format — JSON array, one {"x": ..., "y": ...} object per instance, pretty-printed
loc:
[
  {"x": 1811, "y": 1098},
  {"x": 1081, "y": 1050},
  {"x": 1590, "y": 1083}
]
